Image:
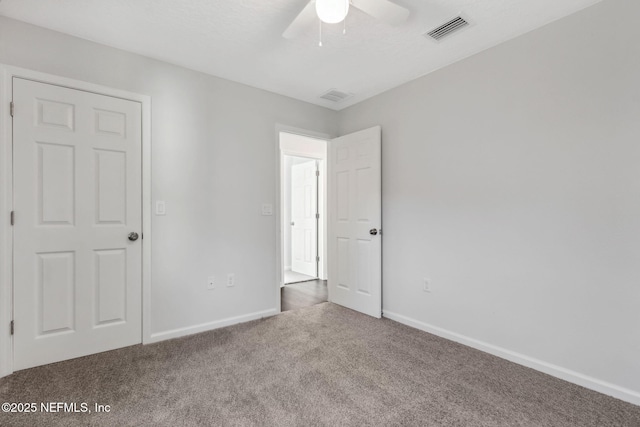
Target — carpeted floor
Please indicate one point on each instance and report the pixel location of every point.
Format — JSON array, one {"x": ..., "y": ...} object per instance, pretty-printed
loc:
[{"x": 321, "y": 365}]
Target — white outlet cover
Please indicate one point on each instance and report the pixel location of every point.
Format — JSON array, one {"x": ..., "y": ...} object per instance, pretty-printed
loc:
[
  {"x": 267, "y": 209},
  {"x": 161, "y": 207},
  {"x": 231, "y": 279}
]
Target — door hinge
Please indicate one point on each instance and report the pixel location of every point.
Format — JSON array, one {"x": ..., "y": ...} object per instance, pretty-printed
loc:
[
  {"x": 11, "y": 327},
  {"x": 11, "y": 108},
  {"x": 317, "y": 216},
  {"x": 13, "y": 217},
  {"x": 317, "y": 258},
  {"x": 317, "y": 172}
]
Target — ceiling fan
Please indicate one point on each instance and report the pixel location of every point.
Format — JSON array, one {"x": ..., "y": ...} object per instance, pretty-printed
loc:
[{"x": 334, "y": 11}]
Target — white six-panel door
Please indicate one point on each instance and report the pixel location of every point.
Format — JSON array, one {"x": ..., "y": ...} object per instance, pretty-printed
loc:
[
  {"x": 304, "y": 231},
  {"x": 77, "y": 196},
  {"x": 355, "y": 219}
]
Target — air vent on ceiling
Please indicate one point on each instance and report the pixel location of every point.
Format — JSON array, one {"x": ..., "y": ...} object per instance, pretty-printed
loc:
[
  {"x": 334, "y": 95},
  {"x": 447, "y": 28}
]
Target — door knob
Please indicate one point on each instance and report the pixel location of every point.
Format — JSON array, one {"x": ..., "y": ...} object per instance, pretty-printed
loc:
[
  {"x": 373, "y": 231},
  {"x": 293, "y": 223},
  {"x": 133, "y": 236}
]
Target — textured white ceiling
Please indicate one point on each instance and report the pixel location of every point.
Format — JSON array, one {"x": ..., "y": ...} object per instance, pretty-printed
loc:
[{"x": 240, "y": 40}]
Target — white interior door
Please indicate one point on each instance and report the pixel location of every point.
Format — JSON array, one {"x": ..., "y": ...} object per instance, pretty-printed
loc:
[
  {"x": 355, "y": 220},
  {"x": 77, "y": 196},
  {"x": 304, "y": 223}
]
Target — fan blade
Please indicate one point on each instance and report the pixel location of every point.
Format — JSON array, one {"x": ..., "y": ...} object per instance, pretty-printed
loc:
[
  {"x": 383, "y": 10},
  {"x": 302, "y": 22}
]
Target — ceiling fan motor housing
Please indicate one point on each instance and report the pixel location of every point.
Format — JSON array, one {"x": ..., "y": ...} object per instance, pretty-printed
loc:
[{"x": 332, "y": 11}]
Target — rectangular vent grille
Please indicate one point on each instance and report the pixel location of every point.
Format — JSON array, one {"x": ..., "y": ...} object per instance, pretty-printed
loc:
[
  {"x": 336, "y": 96},
  {"x": 445, "y": 29}
]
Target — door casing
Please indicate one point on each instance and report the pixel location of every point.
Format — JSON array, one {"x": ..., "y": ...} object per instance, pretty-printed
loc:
[
  {"x": 7, "y": 73},
  {"x": 279, "y": 161}
]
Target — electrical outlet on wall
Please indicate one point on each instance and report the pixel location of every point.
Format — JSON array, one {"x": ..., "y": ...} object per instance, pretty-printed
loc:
[
  {"x": 231, "y": 279},
  {"x": 426, "y": 285},
  {"x": 211, "y": 284},
  {"x": 267, "y": 209}
]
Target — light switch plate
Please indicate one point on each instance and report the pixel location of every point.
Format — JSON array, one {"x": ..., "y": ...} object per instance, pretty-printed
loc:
[
  {"x": 161, "y": 208},
  {"x": 267, "y": 209}
]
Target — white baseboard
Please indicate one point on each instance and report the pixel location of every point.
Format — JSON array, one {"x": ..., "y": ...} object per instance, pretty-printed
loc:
[
  {"x": 586, "y": 381},
  {"x": 203, "y": 327}
]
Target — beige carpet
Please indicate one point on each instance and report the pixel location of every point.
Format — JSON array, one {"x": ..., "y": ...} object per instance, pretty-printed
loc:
[{"x": 321, "y": 365}]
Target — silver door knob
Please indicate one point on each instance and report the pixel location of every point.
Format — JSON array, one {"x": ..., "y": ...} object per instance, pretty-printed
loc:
[
  {"x": 293, "y": 223},
  {"x": 133, "y": 236},
  {"x": 373, "y": 231}
]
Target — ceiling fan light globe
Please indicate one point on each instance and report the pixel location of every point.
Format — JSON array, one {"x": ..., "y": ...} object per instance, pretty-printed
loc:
[{"x": 332, "y": 11}]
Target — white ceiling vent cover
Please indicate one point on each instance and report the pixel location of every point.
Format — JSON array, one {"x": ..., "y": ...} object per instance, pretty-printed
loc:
[
  {"x": 447, "y": 28},
  {"x": 334, "y": 95}
]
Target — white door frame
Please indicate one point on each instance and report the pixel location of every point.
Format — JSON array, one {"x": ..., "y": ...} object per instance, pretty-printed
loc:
[
  {"x": 6, "y": 198},
  {"x": 279, "y": 155}
]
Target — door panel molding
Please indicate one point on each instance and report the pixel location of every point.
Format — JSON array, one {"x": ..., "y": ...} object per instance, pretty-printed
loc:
[
  {"x": 7, "y": 73},
  {"x": 355, "y": 216}
]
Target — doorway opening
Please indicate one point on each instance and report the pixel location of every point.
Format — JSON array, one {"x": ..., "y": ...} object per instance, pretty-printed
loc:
[
  {"x": 349, "y": 238},
  {"x": 301, "y": 218},
  {"x": 304, "y": 211}
]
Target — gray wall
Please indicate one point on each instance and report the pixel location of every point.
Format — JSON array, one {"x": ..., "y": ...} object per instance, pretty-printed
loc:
[
  {"x": 512, "y": 180},
  {"x": 213, "y": 160}
]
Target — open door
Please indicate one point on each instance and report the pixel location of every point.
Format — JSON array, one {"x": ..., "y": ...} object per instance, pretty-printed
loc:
[
  {"x": 355, "y": 220},
  {"x": 304, "y": 218}
]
